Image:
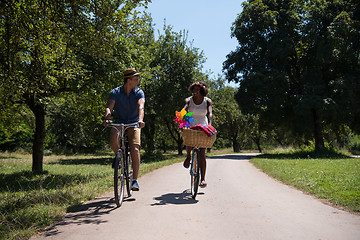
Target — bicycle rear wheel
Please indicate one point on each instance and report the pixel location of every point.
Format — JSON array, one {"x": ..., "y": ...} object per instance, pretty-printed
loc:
[
  {"x": 119, "y": 178},
  {"x": 128, "y": 172},
  {"x": 195, "y": 172}
]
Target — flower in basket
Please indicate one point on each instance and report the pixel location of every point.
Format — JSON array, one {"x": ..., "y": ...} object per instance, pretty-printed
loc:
[{"x": 183, "y": 118}]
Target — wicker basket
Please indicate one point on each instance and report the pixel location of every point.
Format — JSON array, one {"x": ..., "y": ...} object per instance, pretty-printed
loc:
[{"x": 197, "y": 138}]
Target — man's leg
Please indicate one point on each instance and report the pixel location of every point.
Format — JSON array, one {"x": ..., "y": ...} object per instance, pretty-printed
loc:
[
  {"x": 114, "y": 140},
  {"x": 134, "y": 142},
  {"x": 135, "y": 156}
]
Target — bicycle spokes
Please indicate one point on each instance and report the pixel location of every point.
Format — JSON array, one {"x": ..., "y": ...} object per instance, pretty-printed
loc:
[{"x": 195, "y": 172}]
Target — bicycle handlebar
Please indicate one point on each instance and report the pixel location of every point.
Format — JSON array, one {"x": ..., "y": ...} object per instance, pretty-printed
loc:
[{"x": 135, "y": 124}]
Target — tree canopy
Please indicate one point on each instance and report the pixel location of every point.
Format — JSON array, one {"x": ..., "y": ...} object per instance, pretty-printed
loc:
[
  {"x": 48, "y": 48},
  {"x": 298, "y": 63}
]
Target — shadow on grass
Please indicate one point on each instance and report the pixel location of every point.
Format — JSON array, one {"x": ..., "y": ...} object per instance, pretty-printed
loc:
[
  {"x": 233, "y": 156},
  {"x": 145, "y": 158},
  {"x": 330, "y": 154},
  {"x": 28, "y": 181},
  {"x": 2, "y": 157},
  {"x": 88, "y": 161}
]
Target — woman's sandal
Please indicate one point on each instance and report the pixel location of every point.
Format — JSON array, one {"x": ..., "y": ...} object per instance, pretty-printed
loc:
[
  {"x": 203, "y": 184},
  {"x": 186, "y": 163}
]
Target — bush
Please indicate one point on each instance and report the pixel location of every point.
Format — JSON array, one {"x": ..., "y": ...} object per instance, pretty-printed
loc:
[
  {"x": 20, "y": 138},
  {"x": 354, "y": 144},
  {"x": 155, "y": 156}
]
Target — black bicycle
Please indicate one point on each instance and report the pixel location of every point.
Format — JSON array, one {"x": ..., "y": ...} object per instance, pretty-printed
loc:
[
  {"x": 123, "y": 173},
  {"x": 195, "y": 171}
]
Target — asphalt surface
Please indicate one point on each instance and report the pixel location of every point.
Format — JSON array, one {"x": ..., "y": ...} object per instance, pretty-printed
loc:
[{"x": 240, "y": 202}]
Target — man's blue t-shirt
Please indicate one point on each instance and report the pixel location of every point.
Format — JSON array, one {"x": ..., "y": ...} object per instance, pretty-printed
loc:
[{"x": 126, "y": 109}]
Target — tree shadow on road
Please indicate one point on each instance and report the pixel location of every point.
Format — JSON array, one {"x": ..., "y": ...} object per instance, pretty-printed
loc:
[
  {"x": 87, "y": 213},
  {"x": 175, "y": 198}
]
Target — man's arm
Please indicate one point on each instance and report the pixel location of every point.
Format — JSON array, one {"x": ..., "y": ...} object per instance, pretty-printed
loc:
[
  {"x": 141, "y": 106},
  {"x": 108, "y": 110}
]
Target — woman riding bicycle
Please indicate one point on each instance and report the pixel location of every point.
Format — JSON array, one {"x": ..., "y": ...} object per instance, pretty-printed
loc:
[{"x": 201, "y": 106}]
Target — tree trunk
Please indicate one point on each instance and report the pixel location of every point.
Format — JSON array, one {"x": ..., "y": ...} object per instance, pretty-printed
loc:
[
  {"x": 278, "y": 140},
  {"x": 339, "y": 139},
  {"x": 180, "y": 147},
  {"x": 257, "y": 142},
  {"x": 318, "y": 134},
  {"x": 164, "y": 146},
  {"x": 149, "y": 132},
  {"x": 236, "y": 145},
  {"x": 38, "y": 144},
  {"x": 259, "y": 147}
]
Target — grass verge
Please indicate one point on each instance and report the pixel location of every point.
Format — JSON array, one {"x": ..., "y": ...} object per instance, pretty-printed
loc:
[
  {"x": 335, "y": 178},
  {"x": 30, "y": 202}
]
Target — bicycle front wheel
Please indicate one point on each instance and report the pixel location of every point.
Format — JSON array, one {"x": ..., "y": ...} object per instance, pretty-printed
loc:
[
  {"x": 119, "y": 180},
  {"x": 128, "y": 174},
  {"x": 195, "y": 172}
]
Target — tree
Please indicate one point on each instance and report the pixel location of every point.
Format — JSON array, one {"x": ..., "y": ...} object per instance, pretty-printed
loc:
[
  {"x": 298, "y": 63},
  {"x": 43, "y": 49},
  {"x": 228, "y": 119},
  {"x": 176, "y": 65}
]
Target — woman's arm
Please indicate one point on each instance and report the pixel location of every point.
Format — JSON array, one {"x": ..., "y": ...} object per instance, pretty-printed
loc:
[
  {"x": 209, "y": 111},
  {"x": 187, "y": 102}
]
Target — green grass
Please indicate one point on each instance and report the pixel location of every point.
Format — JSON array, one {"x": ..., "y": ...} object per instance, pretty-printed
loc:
[
  {"x": 31, "y": 202},
  {"x": 335, "y": 178}
]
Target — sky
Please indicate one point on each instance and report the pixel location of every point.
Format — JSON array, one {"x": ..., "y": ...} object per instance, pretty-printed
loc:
[{"x": 207, "y": 22}]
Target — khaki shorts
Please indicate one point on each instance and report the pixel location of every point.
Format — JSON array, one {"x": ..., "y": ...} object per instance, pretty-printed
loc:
[{"x": 133, "y": 135}]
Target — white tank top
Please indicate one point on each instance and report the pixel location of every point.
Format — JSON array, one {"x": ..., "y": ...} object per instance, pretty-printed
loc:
[{"x": 199, "y": 112}]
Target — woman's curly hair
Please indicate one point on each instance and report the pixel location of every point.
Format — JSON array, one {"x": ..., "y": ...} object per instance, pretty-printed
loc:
[{"x": 203, "y": 87}]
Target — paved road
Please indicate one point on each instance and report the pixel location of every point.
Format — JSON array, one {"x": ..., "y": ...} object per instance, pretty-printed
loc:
[{"x": 240, "y": 202}]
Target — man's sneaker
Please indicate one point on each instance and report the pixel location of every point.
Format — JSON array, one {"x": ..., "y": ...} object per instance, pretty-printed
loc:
[{"x": 135, "y": 185}]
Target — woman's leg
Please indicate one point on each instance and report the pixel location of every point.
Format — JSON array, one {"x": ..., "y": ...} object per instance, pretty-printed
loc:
[
  {"x": 188, "y": 157},
  {"x": 202, "y": 166}
]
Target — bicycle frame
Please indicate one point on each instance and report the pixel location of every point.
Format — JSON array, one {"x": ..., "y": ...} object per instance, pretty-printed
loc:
[
  {"x": 122, "y": 159},
  {"x": 193, "y": 151},
  {"x": 123, "y": 128}
]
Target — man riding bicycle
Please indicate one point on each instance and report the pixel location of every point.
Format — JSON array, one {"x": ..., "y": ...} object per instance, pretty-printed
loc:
[{"x": 128, "y": 103}]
